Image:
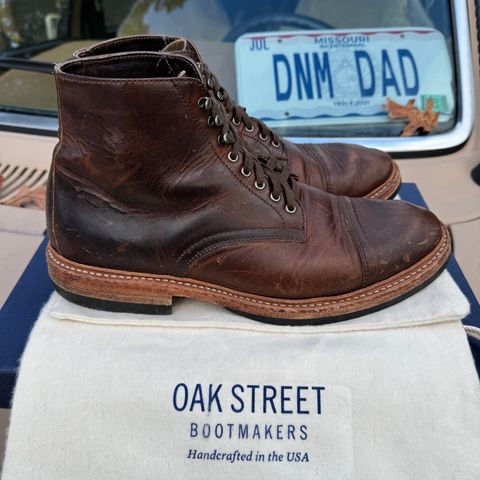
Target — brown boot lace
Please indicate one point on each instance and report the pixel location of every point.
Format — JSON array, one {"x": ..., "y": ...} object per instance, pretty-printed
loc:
[{"x": 266, "y": 170}]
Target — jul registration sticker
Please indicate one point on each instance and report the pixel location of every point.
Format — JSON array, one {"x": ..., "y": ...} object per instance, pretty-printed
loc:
[{"x": 341, "y": 76}]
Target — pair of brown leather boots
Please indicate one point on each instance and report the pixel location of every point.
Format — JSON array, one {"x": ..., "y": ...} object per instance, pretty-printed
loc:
[{"x": 162, "y": 186}]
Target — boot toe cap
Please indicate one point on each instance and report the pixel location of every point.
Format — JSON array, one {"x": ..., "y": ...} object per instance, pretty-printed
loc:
[
  {"x": 351, "y": 170},
  {"x": 361, "y": 170},
  {"x": 392, "y": 236}
]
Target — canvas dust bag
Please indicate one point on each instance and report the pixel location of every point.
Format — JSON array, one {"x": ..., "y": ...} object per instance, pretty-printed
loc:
[{"x": 207, "y": 394}]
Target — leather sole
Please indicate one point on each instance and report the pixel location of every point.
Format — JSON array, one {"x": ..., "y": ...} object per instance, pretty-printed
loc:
[
  {"x": 390, "y": 187},
  {"x": 124, "y": 291}
]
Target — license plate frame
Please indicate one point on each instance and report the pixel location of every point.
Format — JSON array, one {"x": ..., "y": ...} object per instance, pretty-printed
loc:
[{"x": 330, "y": 73}]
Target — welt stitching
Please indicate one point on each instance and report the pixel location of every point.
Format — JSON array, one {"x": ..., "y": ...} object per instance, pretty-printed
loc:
[
  {"x": 393, "y": 285},
  {"x": 384, "y": 187},
  {"x": 378, "y": 191}
]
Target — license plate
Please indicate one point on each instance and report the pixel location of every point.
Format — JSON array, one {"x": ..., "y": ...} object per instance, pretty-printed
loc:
[{"x": 341, "y": 76}]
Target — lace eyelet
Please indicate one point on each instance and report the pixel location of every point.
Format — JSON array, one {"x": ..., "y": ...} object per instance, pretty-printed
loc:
[
  {"x": 251, "y": 129},
  {"x": 205, "y": 103},
  {"x": 275, "y": 144},
  {"x": 232, "y": 158},
  {"x": 235, "y": 122},
  {"x": 259, "y": 186},
  {"x": 244, "y": 173},
  {"x": 219, "y": 96},
  {"x": 293, "y": 210},
  {"x": 263, "y": 137},
  {"x": 275, "y": 199},
  {"x": 220, "y": 141},
  {"x": 218, "y": 121},
  {"x": 211, "y": 122},
  {"x": 209, "y": 83}
]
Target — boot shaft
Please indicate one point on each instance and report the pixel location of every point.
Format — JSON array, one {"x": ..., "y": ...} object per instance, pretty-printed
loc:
[
  {"x": 123, "y": 133},
  {"x": 139, "y": 157}
]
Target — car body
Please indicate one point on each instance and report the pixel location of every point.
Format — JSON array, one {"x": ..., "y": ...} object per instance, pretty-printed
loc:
[{"x": 441, "y": 164}]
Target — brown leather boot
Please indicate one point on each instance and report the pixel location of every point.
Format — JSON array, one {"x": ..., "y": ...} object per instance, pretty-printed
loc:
[
  {"x": 153, "y": 195},
  {"x": 336, "y": 168}
]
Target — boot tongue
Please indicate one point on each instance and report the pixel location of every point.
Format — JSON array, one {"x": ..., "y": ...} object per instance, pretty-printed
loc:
[{"x": 181, "y": 46}]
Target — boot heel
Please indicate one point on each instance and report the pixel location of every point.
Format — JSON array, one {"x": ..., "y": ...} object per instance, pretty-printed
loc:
[
  {"x": 108, "y": 290},
  {"x": 121, "y": 307}
]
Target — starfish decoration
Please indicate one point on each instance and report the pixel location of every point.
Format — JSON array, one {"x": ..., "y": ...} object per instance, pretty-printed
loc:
[{"x": 423, "y": 122}]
